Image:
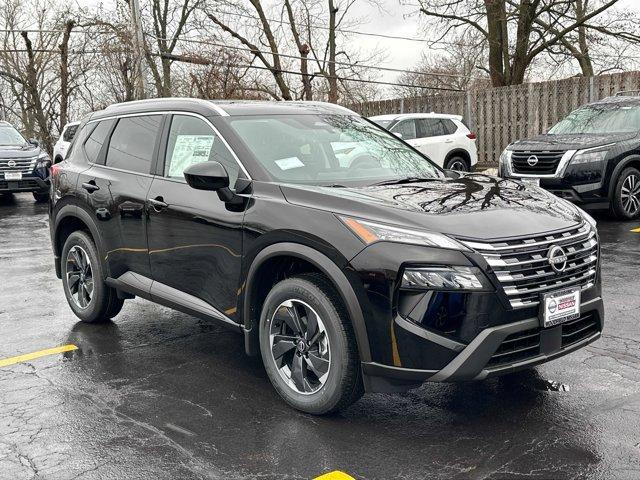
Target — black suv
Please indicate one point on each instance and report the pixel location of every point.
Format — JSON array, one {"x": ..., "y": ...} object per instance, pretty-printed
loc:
[
  {"x": 371, "y": 274},
  {"x": 24, "y": 166},
  {"x": 591, "y": 157}
]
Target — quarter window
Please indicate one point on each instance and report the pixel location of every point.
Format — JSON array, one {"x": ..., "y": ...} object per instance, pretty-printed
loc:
[
  {"x": 69, "y": 133},
  {"x": 132, "y": 143},
  {"x": 94, "y": 143},
  {"x": 191, "y": 140}
]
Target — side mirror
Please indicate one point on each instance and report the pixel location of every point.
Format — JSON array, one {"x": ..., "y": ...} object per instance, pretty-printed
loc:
[
  {"x": 397, "y": 134},
  {"x": 34, "y": 142},
  {"x": 207, "y": 176},
  {"x": 214, "y": 177}
]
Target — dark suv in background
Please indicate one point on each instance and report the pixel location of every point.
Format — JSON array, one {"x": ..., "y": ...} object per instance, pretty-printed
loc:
[
  {"x": 591, "y": 157},
  {"x": 24, "y": 166},
  {"x": 372, "y": 276}
]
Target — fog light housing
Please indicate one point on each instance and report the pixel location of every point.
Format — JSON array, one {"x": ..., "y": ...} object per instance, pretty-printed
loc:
[{"x": 443, "y": 278}]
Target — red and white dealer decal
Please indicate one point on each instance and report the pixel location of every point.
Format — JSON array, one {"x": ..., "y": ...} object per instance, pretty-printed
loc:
[{"x": 560, "y": 307}]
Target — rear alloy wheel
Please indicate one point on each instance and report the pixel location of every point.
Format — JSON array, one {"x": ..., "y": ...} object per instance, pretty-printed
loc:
[
  {"x": 626, "y": 200},
  {"x": 308, "y": 345},
  {"x": 457, "y": 163},
  {"x": 79, "y": 276},
  {"x": 90, "y": 298}
]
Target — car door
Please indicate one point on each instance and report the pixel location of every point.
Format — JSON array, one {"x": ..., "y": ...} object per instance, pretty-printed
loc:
[
  {"x": 116, "y": 186},
  {"x": 433, "y": 141},
  {"x": 195, "y": 239}
]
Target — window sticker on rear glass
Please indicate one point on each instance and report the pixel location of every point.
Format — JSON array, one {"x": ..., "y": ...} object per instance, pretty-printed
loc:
[
  {"x": 189, "y": 150},
  {"x": 289, "y": 163}
]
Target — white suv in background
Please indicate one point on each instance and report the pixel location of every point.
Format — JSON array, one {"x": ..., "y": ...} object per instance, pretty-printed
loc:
[
  {"x": 61, "y": 146},
  {"x": 445, "y": 139}
]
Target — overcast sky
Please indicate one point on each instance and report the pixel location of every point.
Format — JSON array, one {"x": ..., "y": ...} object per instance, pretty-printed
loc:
[{"x": 396, "y": 17}]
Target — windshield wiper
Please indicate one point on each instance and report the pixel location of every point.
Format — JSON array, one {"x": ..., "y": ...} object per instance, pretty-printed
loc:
[{"x": 399, "y": 181}]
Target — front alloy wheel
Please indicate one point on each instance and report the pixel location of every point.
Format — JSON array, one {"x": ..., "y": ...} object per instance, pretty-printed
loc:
[
  {"x": 300, "y": 346},
  {"x": 308, "y": 345},
  {"x": 79, "y": 276},
  {"x": 630, "y": 194},
  {"x": 625, "y": 202}
]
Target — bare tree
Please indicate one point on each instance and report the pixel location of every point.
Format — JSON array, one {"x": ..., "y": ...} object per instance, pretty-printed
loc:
[
  {"x": 170, "y": 21},
  {"x": 516, "y": 32}
]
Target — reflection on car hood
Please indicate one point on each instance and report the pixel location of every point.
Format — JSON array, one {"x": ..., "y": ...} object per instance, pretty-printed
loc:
[
  {"x": 570, "y": 142},
  {"x": 471, "y": 206},
  {"x": 18, "y": 151}
]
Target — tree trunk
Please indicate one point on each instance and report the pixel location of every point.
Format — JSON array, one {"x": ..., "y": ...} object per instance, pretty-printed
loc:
[
  {"x": 33, "y": 93},
  {"x": 497, "y": 43},
  {"x": 583, "y": 58},
  {"x": 333, "y": 78},
  {"x": 64, "y": 73}
]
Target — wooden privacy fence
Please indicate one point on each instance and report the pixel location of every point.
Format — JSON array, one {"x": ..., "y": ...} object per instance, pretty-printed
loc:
[{"x": 503, "y": 114}]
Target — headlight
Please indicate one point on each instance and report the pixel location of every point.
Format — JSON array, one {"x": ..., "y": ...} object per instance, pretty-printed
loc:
[
  {"x": 442, "y": 278},
  {"x": 588, "y": 218},
  {"x": 504, "y": 163},
  {"x": 43, "y": 161},
  {"x": 370, "y": 232},
  {"x": 588, "y": 156}
]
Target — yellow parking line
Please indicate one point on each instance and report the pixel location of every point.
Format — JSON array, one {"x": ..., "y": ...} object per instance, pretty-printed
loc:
[
  {"x": 636, "y": 230},
  {"x": 337, "y": 475},
  {"x": 41, "y": 353}
]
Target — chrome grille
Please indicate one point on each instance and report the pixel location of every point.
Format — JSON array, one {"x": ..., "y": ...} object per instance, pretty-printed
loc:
[
  {"x": 547, "y": 164},
  {"x": 523, "y": 269},
  {"x": 24, "y": 165}
]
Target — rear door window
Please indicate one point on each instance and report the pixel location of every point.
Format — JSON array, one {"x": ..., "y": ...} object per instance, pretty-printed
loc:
[
  {"x": 449, "y": 126},
  {"x": 133, "y": 142},
  {"x": 431, "y": 127}
]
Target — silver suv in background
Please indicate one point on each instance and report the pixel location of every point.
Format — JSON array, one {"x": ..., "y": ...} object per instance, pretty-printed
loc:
[
  {"x": 445, "y": 139},
  {"x": 24, "y": 166}
]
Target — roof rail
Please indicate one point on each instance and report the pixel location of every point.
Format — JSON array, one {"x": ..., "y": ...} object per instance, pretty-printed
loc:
[{"x": 628, "y": 93}]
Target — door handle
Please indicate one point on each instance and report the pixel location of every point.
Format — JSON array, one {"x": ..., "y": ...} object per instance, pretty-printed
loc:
[
  {"x": 90, "y": 186},
  {"x": 157, "y": 203},
  {"x": 448, "y": 140}
]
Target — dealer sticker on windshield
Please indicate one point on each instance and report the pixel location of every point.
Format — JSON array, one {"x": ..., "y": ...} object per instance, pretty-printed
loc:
[{"x": 560, "y": 307}]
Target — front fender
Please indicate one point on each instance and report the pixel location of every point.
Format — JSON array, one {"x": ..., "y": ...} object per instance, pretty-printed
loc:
[{"x": 335, "y": 274}]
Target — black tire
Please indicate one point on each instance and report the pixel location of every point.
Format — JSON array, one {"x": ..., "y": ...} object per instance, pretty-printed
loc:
[
  {"x": 625, "y": 205},
  {"x": 457, "y": 163},
  {"x": 103, "y": 303},
  {"x": 343, "y": 384},
  {"x": 41, "y": 197}
]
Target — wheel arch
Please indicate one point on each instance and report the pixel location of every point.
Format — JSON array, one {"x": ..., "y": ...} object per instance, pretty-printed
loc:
[
  {"x": 319, "y": 262},
  {"x": 71, "y": 218},
  {"x": 632, "y": 160},
  {"x": 459, "y": 152}
]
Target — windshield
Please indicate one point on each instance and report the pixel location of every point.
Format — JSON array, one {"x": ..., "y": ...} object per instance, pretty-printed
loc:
[
  {"x": 10, "y": 136},
  {"x": 604, "y": 118},
  {"x": 336, "y": 150}
]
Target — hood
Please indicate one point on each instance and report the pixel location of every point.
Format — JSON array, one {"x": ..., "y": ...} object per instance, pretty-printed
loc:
[
  {"x": 570, "y": 142},
  {"x": 472, "y": 206},
  {"x": 19, "y": 151}
]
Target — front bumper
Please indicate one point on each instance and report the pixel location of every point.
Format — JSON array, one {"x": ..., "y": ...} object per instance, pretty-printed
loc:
[
  {"x": 482, "y": 357},
  {"x": 28, "y": 183}
]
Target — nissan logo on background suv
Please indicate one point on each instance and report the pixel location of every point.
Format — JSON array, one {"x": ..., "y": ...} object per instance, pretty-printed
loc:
[
  {"x": 532, "y": 161},
  {"x": 557, "y": 258},
  {"x": 11, "y": 163}
]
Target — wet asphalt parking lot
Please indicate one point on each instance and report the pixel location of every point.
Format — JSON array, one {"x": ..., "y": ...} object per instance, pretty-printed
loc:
[{"x": 158, "y": 394}]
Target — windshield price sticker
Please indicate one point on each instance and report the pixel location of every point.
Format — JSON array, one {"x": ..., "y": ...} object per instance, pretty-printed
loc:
[{"x": 560, "y": 307}]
